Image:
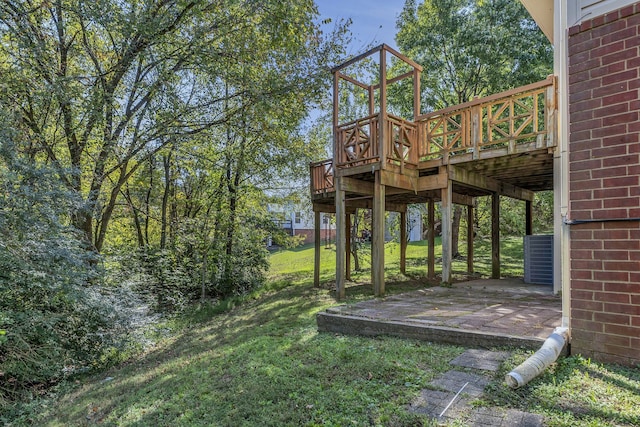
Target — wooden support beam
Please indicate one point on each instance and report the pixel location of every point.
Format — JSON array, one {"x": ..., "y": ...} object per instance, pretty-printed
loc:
[
  {"x": 382, "y": 120},
  {"x": 335, "y": 118},
  {"x": 482, "y": 182},
  {"x": 397, "y": 180},
  {"x": 411, "y": 182},
  {"x": 356, "y": 170},
  {"x": 528, "y": 218},
  {"x": 357, "y": 58},
  {"x": 403, "y": 242},
  {"x": 316, "y": 245},
  {"x": 463, "y": 199},
  {"x": 377, "y": 241},
  {"x": 447, "y": 218},
  {"x": 357, "y": 186},
  {"x": 348, "y": 245},
  {"x": 416, "y": 94},
  {"x": 321, "y": 207},
  {"x": 372, "y": 101},
  {"x": 432, "y": 182},
  {"x": 353, "y": 81},
  {"x": 340, "y": 242},
  {"x": 469, "y": 239},
  {"x": 431, "y": 271},
  {"x": 495, "y": 236},
  {"x": 396, "y": 79}
]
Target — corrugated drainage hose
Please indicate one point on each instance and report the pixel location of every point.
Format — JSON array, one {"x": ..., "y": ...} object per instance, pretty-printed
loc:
[{"x": 541, "y": 359}]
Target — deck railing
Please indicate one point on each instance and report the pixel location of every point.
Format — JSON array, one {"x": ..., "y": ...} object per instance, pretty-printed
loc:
[
  {"x": 321, "y": 177},
  {"x": 402, "y": 142},
  {"x": 357, "y": 142},
  {"x": 508, "y": 120},
  {"x": 518, "y": 120}
]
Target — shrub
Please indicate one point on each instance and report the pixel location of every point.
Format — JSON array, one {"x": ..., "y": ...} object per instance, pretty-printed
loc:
[{"x": 53, "y": 318}]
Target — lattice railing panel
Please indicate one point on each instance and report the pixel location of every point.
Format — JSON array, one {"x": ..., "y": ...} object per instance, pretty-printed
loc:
[
  {"x": 322, "y": 177},
  {"x": 356, "y": 142},
  {"x": 525, "y": 115},
  {"x": 402, "y": 136}
]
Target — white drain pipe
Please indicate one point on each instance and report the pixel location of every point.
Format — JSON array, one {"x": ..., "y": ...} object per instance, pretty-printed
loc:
[{"x": 541, "y": 359}]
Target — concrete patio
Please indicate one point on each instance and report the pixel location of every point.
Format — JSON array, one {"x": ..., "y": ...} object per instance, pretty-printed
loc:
[{"x": 479, "y": 313}]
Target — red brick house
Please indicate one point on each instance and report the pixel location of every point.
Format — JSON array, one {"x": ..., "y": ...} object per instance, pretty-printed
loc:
[{"x": 597, "y": 183}]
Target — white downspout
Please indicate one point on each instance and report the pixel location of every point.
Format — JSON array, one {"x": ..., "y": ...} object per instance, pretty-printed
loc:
[{"x": 541, "y": 359}]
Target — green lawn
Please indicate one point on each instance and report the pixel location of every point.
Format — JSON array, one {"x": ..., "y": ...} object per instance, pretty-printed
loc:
[
  {"x": 297, "y": 265},
  {"x": 263, "y": 363}
]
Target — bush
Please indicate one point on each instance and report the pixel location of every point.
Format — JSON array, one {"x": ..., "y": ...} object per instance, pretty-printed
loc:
[{"x": 53, "y": 318}]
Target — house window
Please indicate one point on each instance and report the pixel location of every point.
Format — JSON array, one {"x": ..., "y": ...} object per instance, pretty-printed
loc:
[{"x": 297, "y": 217}]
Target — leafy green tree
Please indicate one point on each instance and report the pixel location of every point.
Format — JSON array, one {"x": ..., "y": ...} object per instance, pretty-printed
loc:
[
  {"x": 102, "y": 85},
  {"x": 168, "y": 119}
]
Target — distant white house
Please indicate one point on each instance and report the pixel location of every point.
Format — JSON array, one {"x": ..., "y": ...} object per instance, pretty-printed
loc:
[{"x": 298, "y": 221}]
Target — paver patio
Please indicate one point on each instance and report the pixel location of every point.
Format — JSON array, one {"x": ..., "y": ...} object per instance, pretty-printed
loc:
[{"x": 478, "y": 313}]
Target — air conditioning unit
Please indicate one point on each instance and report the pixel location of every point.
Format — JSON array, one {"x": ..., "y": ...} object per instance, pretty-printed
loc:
[{"x": 538, "y": 259}]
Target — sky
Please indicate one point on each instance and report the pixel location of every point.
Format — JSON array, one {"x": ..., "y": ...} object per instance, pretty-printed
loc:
[{"x": 374, "y": 21}]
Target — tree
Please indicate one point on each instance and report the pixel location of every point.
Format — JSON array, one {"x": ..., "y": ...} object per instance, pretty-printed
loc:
[
  {"x": 470, "y": 48},
  {"x": 104, "y": 85}
]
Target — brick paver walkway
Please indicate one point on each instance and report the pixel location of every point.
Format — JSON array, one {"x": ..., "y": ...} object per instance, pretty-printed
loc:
[
  {"x": 480, "y": 313},
  {"x": 450, "y": 396}
]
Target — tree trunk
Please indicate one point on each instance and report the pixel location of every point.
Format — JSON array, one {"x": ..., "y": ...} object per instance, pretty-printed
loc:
[
  {"x": 136, "y": 218},
  {"x": 455, "y": 231},
  {"x": 166, "y": 161},
  {"x": 355, "y": 244},
  {"x": 148, "y": 201}
]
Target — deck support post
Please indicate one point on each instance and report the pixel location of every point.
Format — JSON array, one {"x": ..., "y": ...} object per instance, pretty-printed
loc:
[
  {"x": 348, "y": 245},
  {"x": 470, "y": 239},
  {"x": 340, "y": 239},
  {"x": 377, "y": 241},
  {"x": 529, "y": 217},
  {"x": 447, "y": 217},
  {"x": 403, "y": 242},
  {"x": 495, "y": 236},
  {"x": 316, "y": 254},
  {"x": 431, "y": 213}
]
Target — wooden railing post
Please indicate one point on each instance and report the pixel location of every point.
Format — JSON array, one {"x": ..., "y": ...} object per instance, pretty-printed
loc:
[
  {"x": 336, "y": 104},
  {"x": 551, "y": 113},
  {"x": 382, "y": 124},
  {"x": 476, "y": 130}
]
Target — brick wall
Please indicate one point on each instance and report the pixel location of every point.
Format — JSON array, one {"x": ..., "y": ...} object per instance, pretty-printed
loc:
[
  {"x": 604, "y": 156},
  {"x": 309, "y": 236}
]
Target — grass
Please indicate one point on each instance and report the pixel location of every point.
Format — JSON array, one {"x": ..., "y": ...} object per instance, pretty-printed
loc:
[
  {"x": 263, "y": 363},
  {"x": 297, "y": 266},
  {"x": 573, "y": 392}
]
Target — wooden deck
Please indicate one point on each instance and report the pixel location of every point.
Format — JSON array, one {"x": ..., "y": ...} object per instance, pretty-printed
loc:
[
  {"x": 504, "y": 142},
  {"x": 501, "y": 145}
]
